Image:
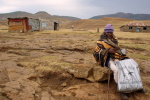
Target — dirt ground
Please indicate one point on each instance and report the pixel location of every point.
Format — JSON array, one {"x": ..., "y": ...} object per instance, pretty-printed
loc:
[{"x": 33, "y": 66}]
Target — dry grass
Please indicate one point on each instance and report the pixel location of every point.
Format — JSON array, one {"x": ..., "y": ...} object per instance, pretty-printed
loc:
[
  {"x": 87, "y": 24},
  {"x": 148, "y": 93},
  {"x": 136, "y": 43},
  {"x": 65, "y": 49},
  {"x": 49, "y": 52}
]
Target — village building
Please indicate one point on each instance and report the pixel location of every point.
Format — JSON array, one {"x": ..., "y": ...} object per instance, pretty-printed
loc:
[
  {"x": 23, "y": 24},
  {"x": 50, "y": 25},
  {"x": 135, "y": 27}
]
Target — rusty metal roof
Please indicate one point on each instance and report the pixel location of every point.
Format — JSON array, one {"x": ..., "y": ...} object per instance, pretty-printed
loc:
[
  {"x": 18, "y": 18},
  {"x": 136, "y": 24},
  {"x": 22, "y": 18}
]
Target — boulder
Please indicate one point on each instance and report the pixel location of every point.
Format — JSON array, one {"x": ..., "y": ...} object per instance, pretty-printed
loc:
[
  {"x": 80, "y": 71},
  {"x": 101, "y": 73},
  {"x": 91, "y": 73}
]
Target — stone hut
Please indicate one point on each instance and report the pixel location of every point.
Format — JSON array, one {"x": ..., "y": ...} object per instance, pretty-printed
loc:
[{"x": 135, "y": 27}]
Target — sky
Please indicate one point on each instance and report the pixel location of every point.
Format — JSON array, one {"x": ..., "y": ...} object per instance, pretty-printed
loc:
[{"x": 83, "y": 9}]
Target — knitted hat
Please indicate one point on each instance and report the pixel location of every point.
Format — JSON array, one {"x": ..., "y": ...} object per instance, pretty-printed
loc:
[{"x": 108, "y": 28}]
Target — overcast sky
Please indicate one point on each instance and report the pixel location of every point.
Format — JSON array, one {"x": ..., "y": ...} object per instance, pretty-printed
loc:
[{"x": 77, "y": 8}]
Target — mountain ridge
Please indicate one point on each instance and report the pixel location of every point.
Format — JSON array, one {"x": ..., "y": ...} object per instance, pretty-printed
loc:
[
  {"x": 40, "y": 15},
  {"x": 125, "y": 15},
  {"x": 45, "y": 15},
  {"x": 86, "y": 24}
]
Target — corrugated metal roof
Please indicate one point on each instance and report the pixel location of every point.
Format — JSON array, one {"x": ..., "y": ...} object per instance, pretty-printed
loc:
[
  {"x": 18, "y": 18},
  {"x": 22, "y": 18},
  {"x": 136, "y": 24}
]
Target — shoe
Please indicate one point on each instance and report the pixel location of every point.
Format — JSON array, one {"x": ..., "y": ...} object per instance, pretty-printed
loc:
[
  {"x": 123, "y": 96},
  {"x": 142, "y": 90}
]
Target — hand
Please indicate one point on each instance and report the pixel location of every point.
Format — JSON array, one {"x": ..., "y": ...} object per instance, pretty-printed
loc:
[{"x": 112, "y": 50}]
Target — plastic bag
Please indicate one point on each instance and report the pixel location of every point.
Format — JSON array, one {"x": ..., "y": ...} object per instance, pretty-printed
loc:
[{"x": 129, "y": 79}]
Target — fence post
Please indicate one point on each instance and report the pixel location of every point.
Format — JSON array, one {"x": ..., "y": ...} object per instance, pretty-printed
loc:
[{"x": 97, "y": 30}]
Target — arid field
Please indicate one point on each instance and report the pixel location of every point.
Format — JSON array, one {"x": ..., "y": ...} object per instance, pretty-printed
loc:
[{"x": 55, "y": 65}]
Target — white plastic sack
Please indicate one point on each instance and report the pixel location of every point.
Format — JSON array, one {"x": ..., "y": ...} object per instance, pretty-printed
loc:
[{"x": 128, "y": 76}]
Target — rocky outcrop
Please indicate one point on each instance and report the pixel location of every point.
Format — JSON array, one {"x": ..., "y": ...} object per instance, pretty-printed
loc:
[{"x": 90, "y": 73}]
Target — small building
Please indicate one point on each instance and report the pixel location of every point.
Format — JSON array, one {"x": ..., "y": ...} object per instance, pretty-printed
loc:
[
  {"x": 135, "y": 27},
  {"x": 23, "y": 24}
]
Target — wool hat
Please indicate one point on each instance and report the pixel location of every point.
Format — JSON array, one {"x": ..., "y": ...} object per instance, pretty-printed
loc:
[{"x": 108, "y": 28}]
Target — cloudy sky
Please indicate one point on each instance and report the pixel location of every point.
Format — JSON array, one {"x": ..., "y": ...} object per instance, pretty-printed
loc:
[{"x": 77, "y": 8}]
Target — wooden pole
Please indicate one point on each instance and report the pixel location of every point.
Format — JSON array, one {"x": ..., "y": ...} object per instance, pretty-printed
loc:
[{"x": 97, "y": 30}]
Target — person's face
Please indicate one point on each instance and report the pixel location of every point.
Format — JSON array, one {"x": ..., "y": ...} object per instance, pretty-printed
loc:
[{"x": 109, "y": 34}]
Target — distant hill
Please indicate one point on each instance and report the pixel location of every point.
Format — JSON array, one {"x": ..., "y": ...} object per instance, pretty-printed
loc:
[
  {"x": 86, "y": 24},
  {"x": 4, "y": 16},
  {"x": 42, "y": 15},
  {"x": 70, "y": 17},
  {"x": 125, "y": 15}
]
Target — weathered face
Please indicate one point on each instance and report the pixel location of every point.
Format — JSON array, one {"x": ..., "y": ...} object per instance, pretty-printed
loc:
[{"x": 109, "y": 34}]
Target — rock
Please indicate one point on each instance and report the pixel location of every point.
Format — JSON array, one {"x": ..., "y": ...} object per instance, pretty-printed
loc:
[
  {"x": 80, "y": 71},
  {"x": 91, "y": 78},
  {"x": 64, "y": 84},
  {"x": 93, "y": 74},
  {"x": 78, "y": 48},
  {"x": 100, "y": 73}
]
